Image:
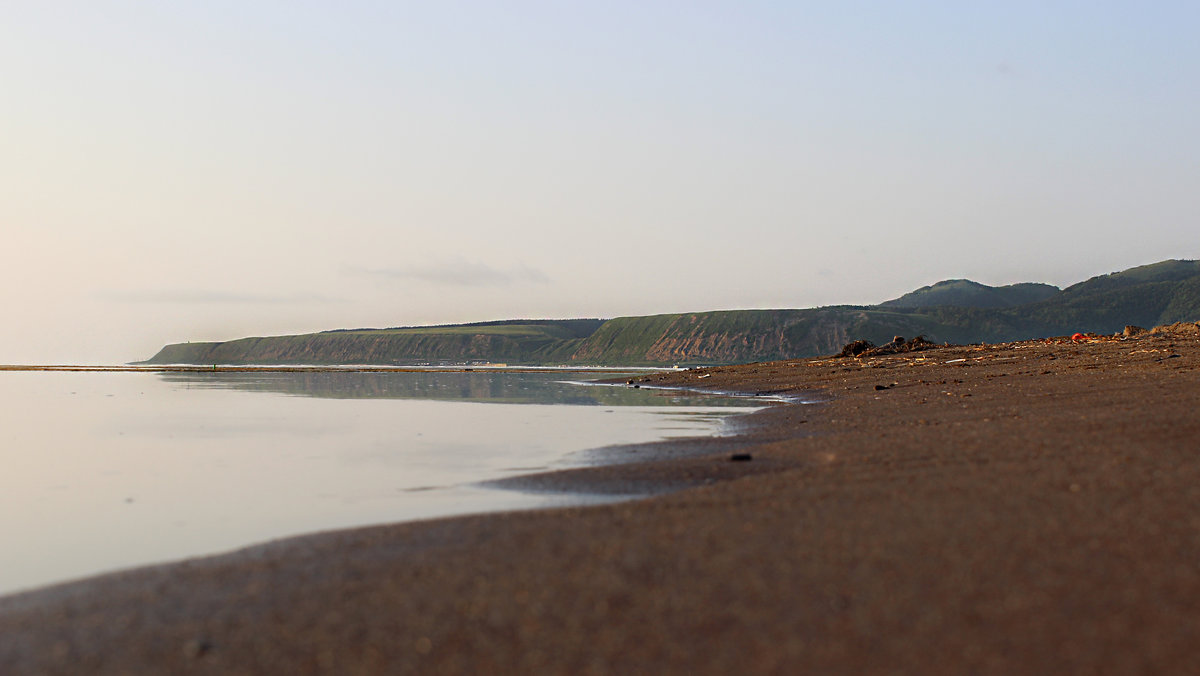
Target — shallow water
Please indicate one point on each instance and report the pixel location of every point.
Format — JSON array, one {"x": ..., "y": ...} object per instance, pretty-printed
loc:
[{"x": 104, "y": 471}]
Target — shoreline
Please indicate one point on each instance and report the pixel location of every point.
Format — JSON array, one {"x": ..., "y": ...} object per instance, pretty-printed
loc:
[
  {"x": 661, "y": 467},
  {"x": 381, "y": 465},
  {"x": 991, "y": 509},
  {"x": 317, "y": 368}
]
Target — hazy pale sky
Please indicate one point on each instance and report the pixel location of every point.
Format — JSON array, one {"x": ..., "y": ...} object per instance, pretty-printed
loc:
[{"x": 175, "y": 171}]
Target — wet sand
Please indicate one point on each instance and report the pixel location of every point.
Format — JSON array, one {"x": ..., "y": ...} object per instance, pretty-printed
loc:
[{"x": 1029, "y": 507}]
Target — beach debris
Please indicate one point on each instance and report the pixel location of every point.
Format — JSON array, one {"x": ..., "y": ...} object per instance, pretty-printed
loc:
[
  {"x": 1078, "y": 337},
  {"x": 705, "y": 375},
  {"x": 1178, "y": 328},
  {"x": 865, "y": 348},
  {"x": 856, "y": 348},
  {"x": 880, "y": 387},
  {"x": 1131, "y": 330},
  {"x": 741, "y": 457}
]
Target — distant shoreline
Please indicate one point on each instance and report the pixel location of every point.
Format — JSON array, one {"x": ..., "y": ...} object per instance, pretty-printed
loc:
[{"x": 954, "y": 311}]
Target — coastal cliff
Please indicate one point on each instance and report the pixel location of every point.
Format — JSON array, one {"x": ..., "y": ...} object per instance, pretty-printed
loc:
[{"x": 956, "y": 311}]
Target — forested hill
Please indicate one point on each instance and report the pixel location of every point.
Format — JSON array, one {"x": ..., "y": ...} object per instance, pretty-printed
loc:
[{"x": 958, "y": 311}]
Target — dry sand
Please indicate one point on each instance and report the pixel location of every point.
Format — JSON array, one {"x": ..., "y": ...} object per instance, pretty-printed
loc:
[{"x": 1020, "y": 508}]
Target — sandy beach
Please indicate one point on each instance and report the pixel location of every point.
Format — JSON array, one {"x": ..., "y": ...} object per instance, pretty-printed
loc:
[{"x": 1020, "y": 508}]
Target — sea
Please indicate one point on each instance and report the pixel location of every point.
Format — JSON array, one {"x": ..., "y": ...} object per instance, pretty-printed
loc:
[{"x": 107, "y": 470}]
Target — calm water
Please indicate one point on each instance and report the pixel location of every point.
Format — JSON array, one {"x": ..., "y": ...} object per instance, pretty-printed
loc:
[{"x": 110, "y": 470}]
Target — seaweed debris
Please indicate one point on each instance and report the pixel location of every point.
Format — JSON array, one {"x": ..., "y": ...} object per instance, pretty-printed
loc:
[{"x": 865, "y": 348}]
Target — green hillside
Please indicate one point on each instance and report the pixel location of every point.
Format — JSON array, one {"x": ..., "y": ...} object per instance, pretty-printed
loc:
[
  {"x": 957, "y": 311},
  {"x": 1149, "y": 295},
  {"x": 965, "y": 293},
  {"x": 520, "y": 342}
]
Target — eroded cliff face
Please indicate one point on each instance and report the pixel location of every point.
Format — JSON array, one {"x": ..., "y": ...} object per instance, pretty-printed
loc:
[
  {"x": 369, "y": 348},
  {"x": 718, "y": 347},
  {"x": 535, "y": 341},
  {"x": 715, "y": 337},
  {"x": 709, "y": 338}
]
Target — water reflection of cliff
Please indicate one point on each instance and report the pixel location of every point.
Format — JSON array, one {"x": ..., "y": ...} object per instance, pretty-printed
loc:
[{"x": 480, "y": 386}]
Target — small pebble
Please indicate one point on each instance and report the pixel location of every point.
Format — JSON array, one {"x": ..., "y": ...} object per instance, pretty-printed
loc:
[{"x": 196, "y": 648}]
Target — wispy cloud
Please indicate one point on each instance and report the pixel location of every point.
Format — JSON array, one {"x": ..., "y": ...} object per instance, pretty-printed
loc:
[
  {"x": 203, "y": 297},
  {"x": 460, "y": 273}
]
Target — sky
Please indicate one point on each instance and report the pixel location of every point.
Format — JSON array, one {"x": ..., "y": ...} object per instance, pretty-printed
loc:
[{"x": 212, "y": 170}]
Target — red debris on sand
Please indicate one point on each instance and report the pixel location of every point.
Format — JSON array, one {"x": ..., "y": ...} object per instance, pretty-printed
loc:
[{"x": 1078, "y": 336}]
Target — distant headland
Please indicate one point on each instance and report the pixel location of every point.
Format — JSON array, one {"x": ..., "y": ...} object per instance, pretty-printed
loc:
[{"x": 954, "y": 311}]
